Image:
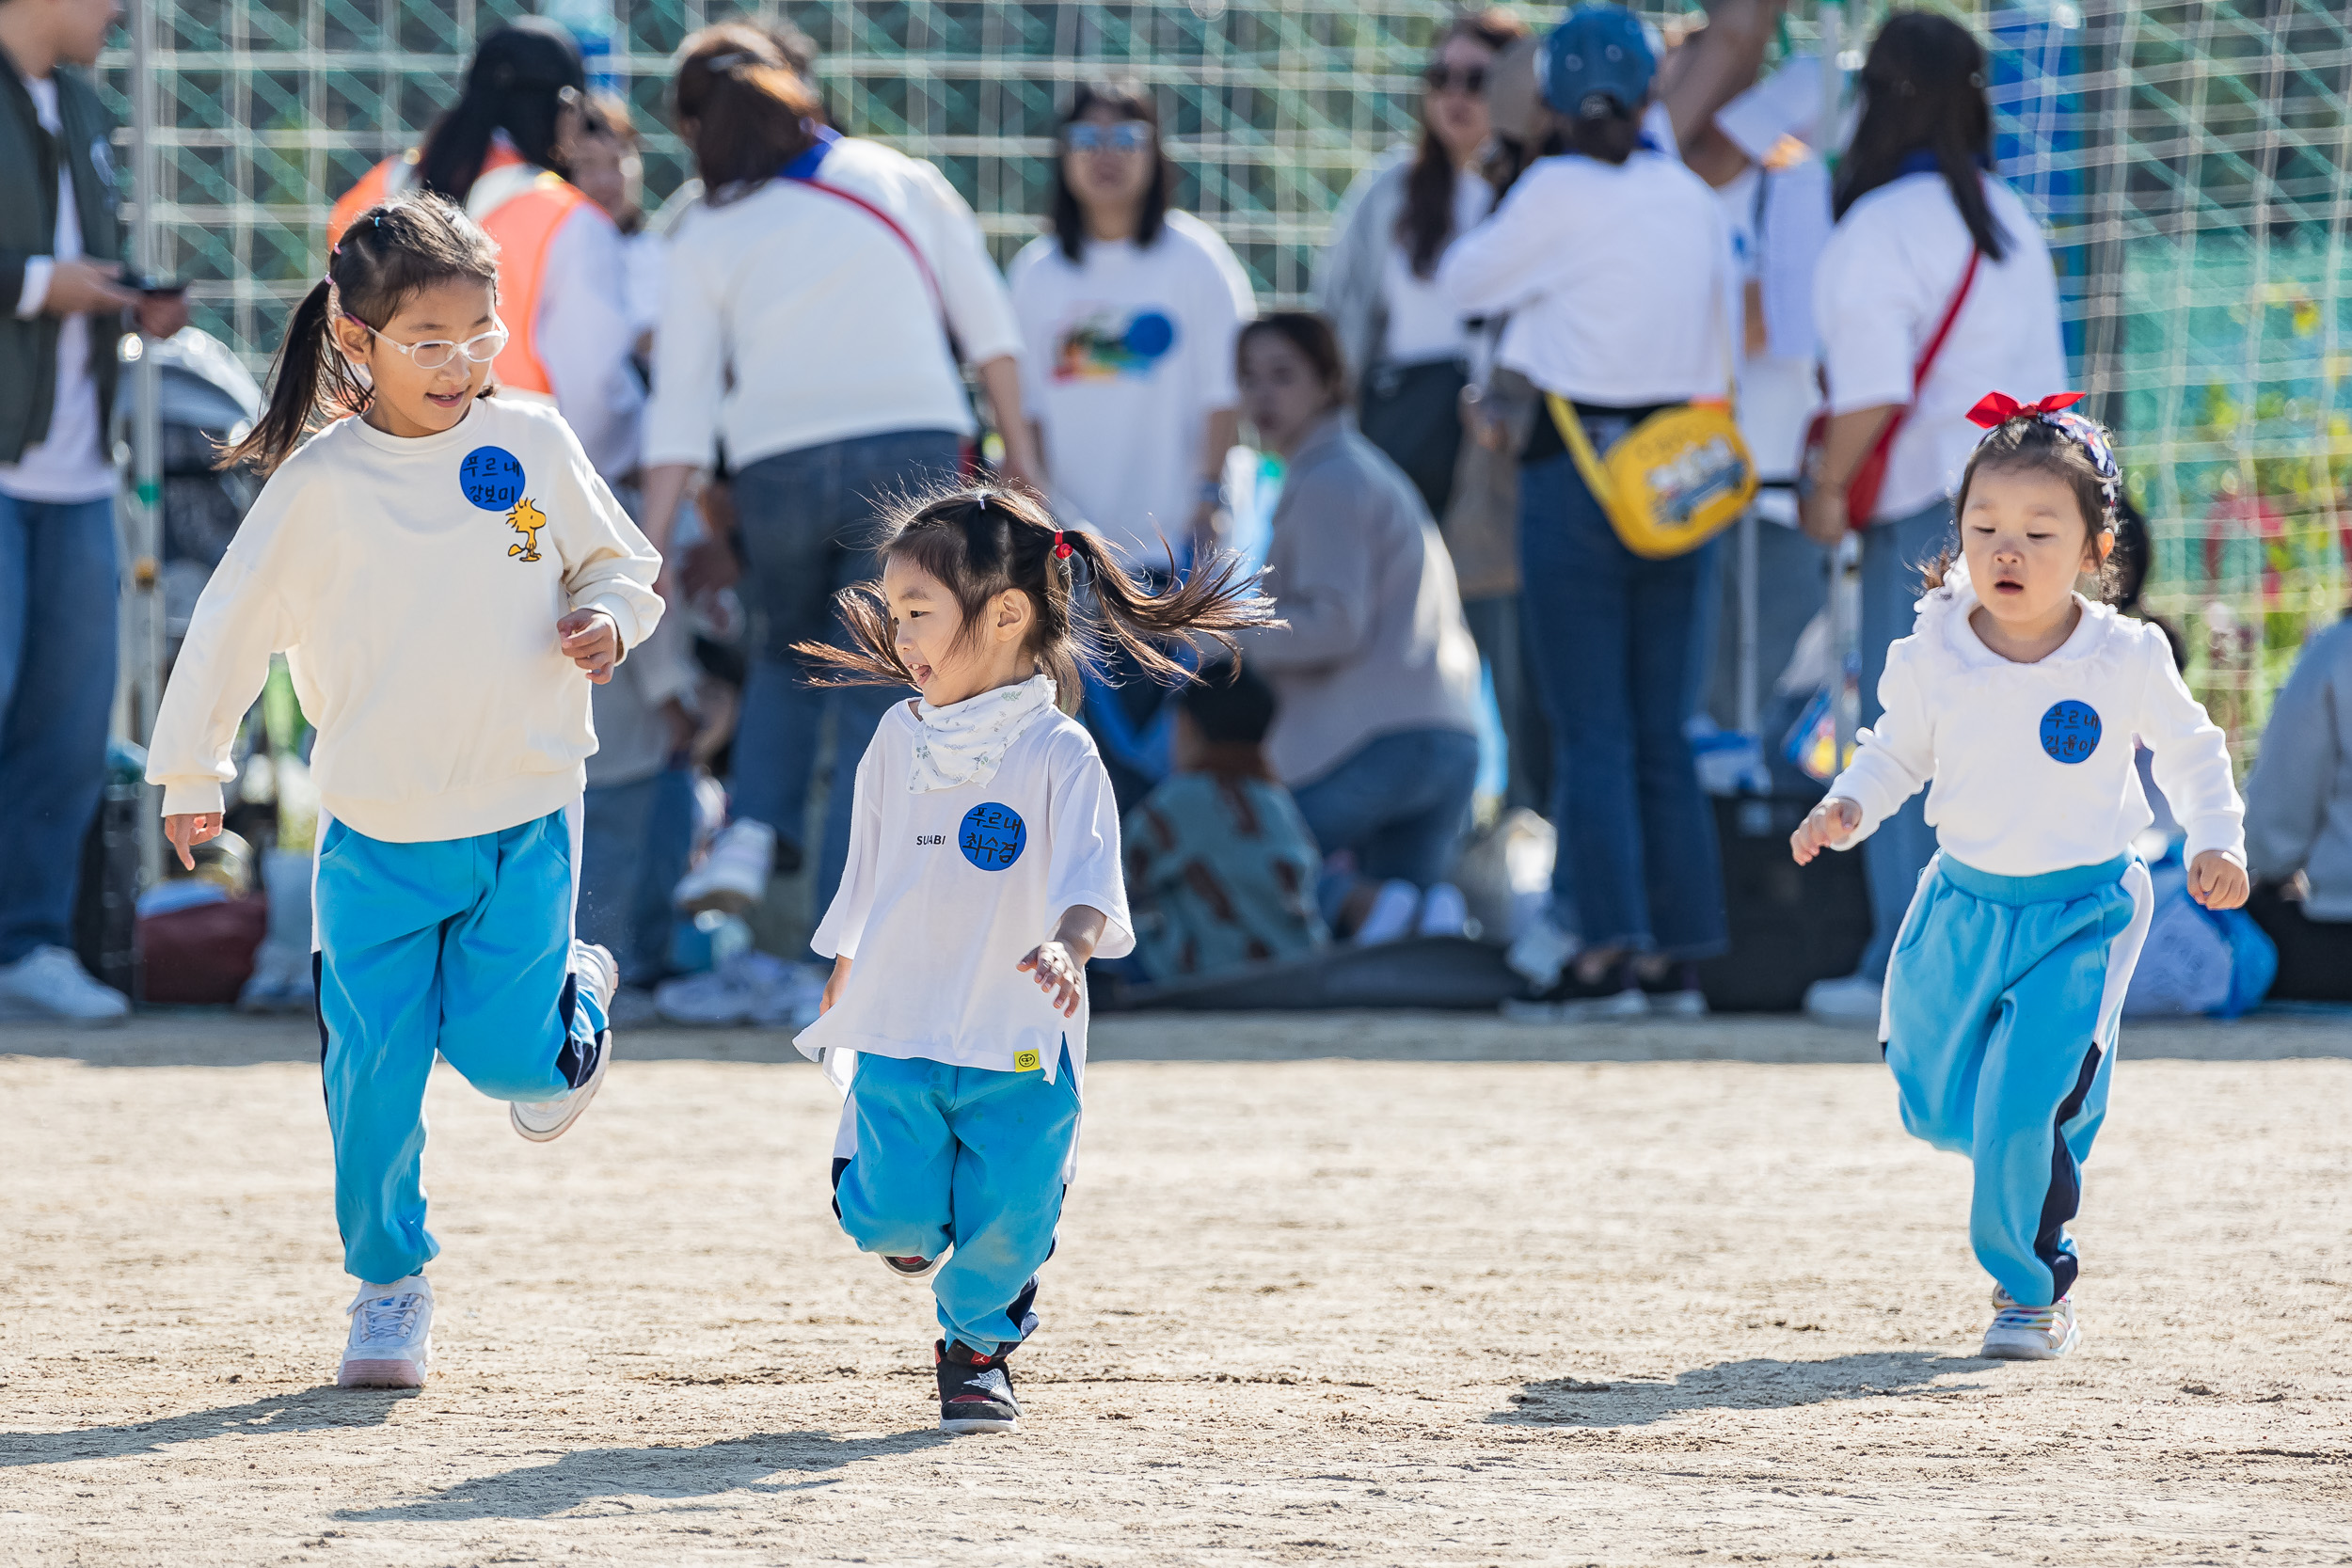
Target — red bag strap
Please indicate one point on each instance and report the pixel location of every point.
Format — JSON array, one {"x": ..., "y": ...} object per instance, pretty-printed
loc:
[
  {"x": 924, "y": 267},
  {"x": 1943, "y": 328}
]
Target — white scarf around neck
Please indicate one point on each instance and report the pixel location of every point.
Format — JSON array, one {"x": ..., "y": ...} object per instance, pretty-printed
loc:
[{"x": 965, "y": 742}]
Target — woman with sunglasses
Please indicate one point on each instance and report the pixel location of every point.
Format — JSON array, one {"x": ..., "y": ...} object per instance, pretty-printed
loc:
[
  {"x": 564, "y": 290},
  {"x": 1129, "y": 312},
  {"x": 1377, "y": 282}
]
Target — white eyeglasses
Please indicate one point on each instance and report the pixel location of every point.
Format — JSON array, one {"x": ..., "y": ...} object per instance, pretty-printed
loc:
[{"x": 433, "y": 353}]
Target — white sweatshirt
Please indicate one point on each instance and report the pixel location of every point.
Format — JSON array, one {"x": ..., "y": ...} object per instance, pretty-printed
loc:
[
  {"x": 946, "y": 889},
  {"x": 419, "y": 617},
  {"x": 2033, "y": 763},
  {"x": 794, "y": 318}
]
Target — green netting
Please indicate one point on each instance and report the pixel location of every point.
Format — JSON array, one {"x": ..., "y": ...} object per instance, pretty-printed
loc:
[{"x": 2192, "y": 159}]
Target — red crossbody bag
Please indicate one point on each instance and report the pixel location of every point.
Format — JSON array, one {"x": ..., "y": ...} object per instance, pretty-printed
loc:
[{"x": 1870, "y": 477}]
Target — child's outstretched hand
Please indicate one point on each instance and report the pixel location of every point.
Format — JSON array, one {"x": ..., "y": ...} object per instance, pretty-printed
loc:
[
  {"x": 1825, "y": 827},
  {"x": 1058, "y": 974},
  {"x": 188, "y": 829},
  {"x": 590, "y": 640},
  {"x": 2216, "y": 881}
]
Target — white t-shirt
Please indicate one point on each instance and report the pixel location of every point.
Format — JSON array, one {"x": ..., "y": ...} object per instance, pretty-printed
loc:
[
  {"x": 71, "y": 463},
  {"x": 1778, "y": 389},
  {"x": 1885, "y": 281},
  {"x": 1424, "y": 325},
  {"x": 414, "y": 587},
  {"x": 1124, "y": 356},
  {"x": 945, "y": 889},
  {"x": 1618, "y": 278},
  {"x": 2030, "y": 767}
]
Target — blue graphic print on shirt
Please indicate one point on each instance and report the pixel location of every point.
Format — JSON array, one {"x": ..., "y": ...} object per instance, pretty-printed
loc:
[
  {"x": 491, "y": 476},
  {"x": 993, "y": 837},
  {"x": 2070, "y": 731}
]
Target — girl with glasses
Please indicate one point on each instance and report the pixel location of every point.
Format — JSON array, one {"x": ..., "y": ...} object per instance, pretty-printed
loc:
[{"x": 441, "y": 570}]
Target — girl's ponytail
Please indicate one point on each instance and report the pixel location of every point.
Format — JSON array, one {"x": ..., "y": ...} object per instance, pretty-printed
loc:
[
  {"x": 306, "y": 359},
  {"x": 1217, "y": 597}
]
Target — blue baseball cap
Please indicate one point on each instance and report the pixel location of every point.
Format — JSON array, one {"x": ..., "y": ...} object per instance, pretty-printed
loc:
[{"x": 1596, "y": 50}]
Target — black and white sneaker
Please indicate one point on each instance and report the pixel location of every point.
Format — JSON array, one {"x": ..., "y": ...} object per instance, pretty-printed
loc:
[
  {"x": 545, "y": 1121},
  {"x": 1573, "y": 1000},
  {"x": 975, "y": 1391},
  {"x": 1674, "y": 992}
]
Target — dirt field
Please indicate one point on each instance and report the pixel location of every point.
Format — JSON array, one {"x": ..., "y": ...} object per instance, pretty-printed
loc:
[{"x": 1669, "y": 1294}]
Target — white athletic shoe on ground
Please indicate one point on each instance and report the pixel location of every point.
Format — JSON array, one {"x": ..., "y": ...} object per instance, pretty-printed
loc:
[
  {"x": 391, "y": 1335},
  {"x": 1540, "y": 953},
  {"x": 1444, "y": 912},
  {"x": 2030, "y": 1333},
  {"x": 1390, "y": 917},
  {"x": 545, "y": 1121},
  {"x": 734, "y": 876},
  {"x": 912, "y": 1269},
  {"x": 1852, "y": 997},
  {"x": 50, "y": 984}
]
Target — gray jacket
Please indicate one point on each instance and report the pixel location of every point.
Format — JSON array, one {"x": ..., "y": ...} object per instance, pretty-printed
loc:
[
  {"x": 28, "y": 229},
  {"x": 1349, "y": 273},
  {"x": 2299, "y": 798}
]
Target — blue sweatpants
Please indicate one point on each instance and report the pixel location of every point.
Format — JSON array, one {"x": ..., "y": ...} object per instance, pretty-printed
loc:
[
  {"x": 2003, "y": 998},
  {"x": 962, "y": 1157},
  {"x": 462, "y": 947}
]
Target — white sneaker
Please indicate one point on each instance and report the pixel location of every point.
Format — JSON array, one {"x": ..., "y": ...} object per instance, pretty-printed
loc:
[
  {"x": 1444, "y": 912},
  {"x": 1390, "y": 917},
  {"x": 1541, "y": 953},
  {"x": 1853, "y": 998},
  {"x": 391, "y": 1335},
  {"x": 2030, "y": 1333},
  {"x": 280, "y": 983},
  {"x": 747, "y": 988},
  {"x": 545, "y": 1120},
  {"x": 734, "y": 876},
  {"x": 50, "y": 985},
  {"x": 912, "y": 1269}
]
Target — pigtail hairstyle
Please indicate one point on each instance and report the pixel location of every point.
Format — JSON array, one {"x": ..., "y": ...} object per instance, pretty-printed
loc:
[
  {"x": 2067, "y": 447},
  {"x": 391, "y": 251},
  {"x": 979, "y": 542}
]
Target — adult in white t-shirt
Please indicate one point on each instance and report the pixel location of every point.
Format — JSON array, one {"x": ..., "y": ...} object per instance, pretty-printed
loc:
[
  {"x": 1128, "y": 313},
  {"x": 61, "y": 309},
  {"x": 1914, "y": 198}
]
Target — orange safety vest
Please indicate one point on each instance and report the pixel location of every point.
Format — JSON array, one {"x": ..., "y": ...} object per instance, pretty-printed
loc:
[{"x": 523, "y": 225}]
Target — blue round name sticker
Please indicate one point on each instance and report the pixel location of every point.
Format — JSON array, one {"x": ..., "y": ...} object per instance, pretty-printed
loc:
[
  {"x": 492, "y": 478},
  {"x": 992, "y": 837},
  {"x": 2070, "y": 731}
]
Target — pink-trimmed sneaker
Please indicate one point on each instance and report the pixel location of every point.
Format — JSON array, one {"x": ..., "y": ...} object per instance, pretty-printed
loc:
[
  {"x": 391, "y": 1335},
  {"x": 2030, "y": 1333}
]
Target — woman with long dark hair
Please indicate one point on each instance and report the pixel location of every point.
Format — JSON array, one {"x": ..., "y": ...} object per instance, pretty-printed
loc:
[
  {"x": 1613, "y": 262},
  {"x": 1128, "y": 310},
  {"x": 499, "y": 151},
  {"x": 1378, "y": 282},
  {"x": 818, "y": 297},
  {"x": 1926, "y": 232}
]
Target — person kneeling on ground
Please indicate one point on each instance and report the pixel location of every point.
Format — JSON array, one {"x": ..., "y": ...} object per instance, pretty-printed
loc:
[{"x": 1221, "y": 866}]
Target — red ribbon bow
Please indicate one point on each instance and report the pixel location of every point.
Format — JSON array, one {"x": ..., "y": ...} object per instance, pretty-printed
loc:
[
  {"x": 1995, "y": 409},
  {"x": 1061, "y": 546}
]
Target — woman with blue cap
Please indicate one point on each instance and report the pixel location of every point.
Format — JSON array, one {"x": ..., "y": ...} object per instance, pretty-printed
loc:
[{"x": 1614, "y": 264}]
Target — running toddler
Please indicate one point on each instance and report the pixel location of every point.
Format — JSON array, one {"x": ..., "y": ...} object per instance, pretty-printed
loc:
[
  {"x": 983, "y": 873},
  {"x": 2020, "y": 701},
  {"x": 434, "y": 564}
]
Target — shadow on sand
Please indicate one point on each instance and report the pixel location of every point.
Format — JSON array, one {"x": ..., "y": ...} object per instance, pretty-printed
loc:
[
  {"x": 1763, "y": 1383},
  {"x": 311, "y": 1410}
]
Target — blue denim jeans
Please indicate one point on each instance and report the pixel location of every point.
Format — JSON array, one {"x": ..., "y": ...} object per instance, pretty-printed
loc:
[
  {"x": 1401, "y": 801},
  {"x": 635, "y": 842},
  {"x": 805, "y": 519},
  {"x": 1892, "y": 858},
  {"x": 57, "y": 598},
  {"x": 1613, "y": 638}
]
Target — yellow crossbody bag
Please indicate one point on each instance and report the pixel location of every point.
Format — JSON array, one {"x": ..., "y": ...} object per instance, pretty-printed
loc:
[{"x": 1678, "y": 477}]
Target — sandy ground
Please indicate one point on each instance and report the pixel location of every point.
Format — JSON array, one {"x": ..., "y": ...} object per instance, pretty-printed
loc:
[{"x": 1666, "y": 1295}]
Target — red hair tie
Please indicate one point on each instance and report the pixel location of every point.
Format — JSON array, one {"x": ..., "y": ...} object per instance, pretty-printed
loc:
[
  {"x": 1995, "y": 409},
  {"x": 1061, "y": 546}
]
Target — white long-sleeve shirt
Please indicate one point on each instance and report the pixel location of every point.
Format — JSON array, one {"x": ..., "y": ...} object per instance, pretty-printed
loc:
[
  {"x": 2032, "y": 764},
  {"x": 795, "y": 319},
  {"x": 585, "y": 334},
  {"x": 413, "y": 586},
  {"x": 1618, "y": 278}
]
